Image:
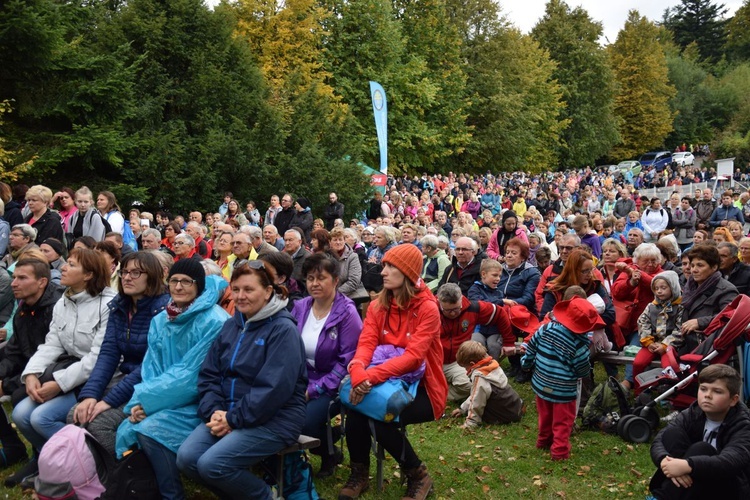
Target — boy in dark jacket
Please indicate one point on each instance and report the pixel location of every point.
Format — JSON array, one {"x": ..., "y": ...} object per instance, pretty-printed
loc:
[
  {"x": 705, "y": 451},
  {"x": 487, "y": 290}
]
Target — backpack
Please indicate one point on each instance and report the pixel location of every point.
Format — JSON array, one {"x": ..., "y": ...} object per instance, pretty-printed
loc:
[
  {"x": 107, "y": 227},
  {"x": 606, "y": 406},
  {"x": 131, "y": 478},
  {"x": 68, "y": 468},
  {"x": 298, "y": 483}
]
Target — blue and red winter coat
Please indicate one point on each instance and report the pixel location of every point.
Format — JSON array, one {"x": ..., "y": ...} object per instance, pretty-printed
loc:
[
  {"x": 337, "y": 344},
  {"x": 126, "y": 339},
  {"x": 255, "y": 371}
]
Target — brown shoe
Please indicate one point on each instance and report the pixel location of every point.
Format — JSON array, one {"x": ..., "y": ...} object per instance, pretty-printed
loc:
[
  {"x": 418, "y": 483},
  {"x": 358, "y": 482}
]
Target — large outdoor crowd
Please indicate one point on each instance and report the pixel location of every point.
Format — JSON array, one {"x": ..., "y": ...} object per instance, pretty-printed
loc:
[{"x": 213, "y": 340}]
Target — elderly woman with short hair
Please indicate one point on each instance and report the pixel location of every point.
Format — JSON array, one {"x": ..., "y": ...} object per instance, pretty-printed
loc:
[
  {"x": 20, "y": 239},
  {"x": 184, "y": 248},
  {"x": 46, "y": 222},
  {"x": 385, "y": 239}
]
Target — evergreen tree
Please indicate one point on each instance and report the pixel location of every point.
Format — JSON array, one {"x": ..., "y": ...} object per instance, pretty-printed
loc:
[
  {"x": 699, "y": 21},
  {"x": 643, "y": 93},
  {"x": 571, "y": 37},
  {"x": 738, "y": 34}
]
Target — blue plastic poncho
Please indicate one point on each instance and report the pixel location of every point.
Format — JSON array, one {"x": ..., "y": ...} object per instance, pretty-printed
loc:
[{"x": 168, "y": 391}]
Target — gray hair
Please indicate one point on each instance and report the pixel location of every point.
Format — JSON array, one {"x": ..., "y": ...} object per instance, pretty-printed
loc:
[
  {"x": 388, "y": 232},
  {"x": 186, "y": 238},
  {"x": 352, "y": 233},
  {"x": 194, "y": 225},
  {"x": 575, "y": 238},
  {"x": 296, "y": 234},
  {"x": 255, "y": 232},
  {"x": 443, "y": 240},
  {"x": 429, "y": 240},
  {"x": 28, "y": 231},
  {"x": 636, "y": 231},
  {"x": 211, "y": 267},
  {"x": 152, "y": 232},
  {"x": 733, "y": 249},
  {"x": 645, "y": 251},
  {"x": 450, "y": 293}
]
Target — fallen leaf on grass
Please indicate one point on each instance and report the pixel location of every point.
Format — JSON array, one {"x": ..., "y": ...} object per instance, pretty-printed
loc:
[
  {"x": 486, "y": 488},
  {"x": 487, "y": 469},
  {"x": 585, "y": 468},
  {"x": 561, "y": 494},
  {"x": 480, "y": 479},
  {"x": 636, "y": 472},
  {"x": 630, "y": 447}
]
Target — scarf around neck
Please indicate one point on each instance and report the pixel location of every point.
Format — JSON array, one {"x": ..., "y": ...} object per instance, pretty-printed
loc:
[{"x": 693, "y": 290}]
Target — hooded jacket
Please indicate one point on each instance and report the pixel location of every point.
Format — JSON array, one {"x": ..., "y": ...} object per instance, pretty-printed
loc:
[
  {"x": 255, "y": 371},
  {"x": 416, "y": 329},
  {"x": 636, "y": 298},
  {"x": 491, "y": 397},
  {"x": 433, "y": 268},
  {"x": 77, "y": 329},
  {"x": 168, "y": 391},
  {"x": 350, "y": 274},
  {"x": 732, "y": 443},
  {"x": 302, "y": 220},
  {"x": 31, "y": 325},
  {"x": 336, "y": 343},
  {"x": 661, "y": 321},
  {"x": 519, "y": 284},
  {"x": 126, "y": 339}
]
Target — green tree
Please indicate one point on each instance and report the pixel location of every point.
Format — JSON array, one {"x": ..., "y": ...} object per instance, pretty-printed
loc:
[
  {"x": 738, "y": 34},
  {"x": 587, "y": 83},
  {"x": 699, "y": 21},
  {"x": 643, "y": 92},
  {"x": 515, "y": 103}
]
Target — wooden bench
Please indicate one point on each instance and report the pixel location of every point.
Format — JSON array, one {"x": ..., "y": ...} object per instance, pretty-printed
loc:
[{"x": 303, "y": 443}]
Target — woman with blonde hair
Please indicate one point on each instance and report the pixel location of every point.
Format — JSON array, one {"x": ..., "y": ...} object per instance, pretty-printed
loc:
[{"x": 46, "y": 222}]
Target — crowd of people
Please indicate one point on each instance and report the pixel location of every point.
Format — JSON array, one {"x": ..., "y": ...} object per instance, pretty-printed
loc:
[{"x": 145, "y": 326}]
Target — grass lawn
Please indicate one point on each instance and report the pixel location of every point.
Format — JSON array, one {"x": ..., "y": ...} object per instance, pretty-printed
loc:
[{"x": 498, "y": 462}]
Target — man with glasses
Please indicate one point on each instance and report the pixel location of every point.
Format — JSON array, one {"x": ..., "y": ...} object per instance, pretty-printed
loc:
[
  {"x": 565, "y": 244},
  {"x": 242, "y": 248},
  {"x": 464, "y": 268},
  {"x": 732, "y": 269},
  {"x": 202, "y": 247},
  {"x": 334, "y": 210},
  {"x": 459, "y": 317},
  {"x": 283, "y": 219}
]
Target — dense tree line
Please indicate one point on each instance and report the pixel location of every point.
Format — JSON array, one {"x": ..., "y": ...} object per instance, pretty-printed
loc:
[{"x": 170, "y": 102}]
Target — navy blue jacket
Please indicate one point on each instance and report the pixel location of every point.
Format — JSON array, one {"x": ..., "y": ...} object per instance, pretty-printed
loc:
[
  {"x": 256, "y": 372},
  {"x": 520, "y": 284},
  {"x": 480, "y": 291},
  {"x": 127, "y": 340}
]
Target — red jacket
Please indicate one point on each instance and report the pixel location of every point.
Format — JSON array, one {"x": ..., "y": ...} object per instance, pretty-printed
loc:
[
  {"x": 453, "y": 332},
  {"x": 415, "y": 329},
  {"x": 633, "y": 298}
]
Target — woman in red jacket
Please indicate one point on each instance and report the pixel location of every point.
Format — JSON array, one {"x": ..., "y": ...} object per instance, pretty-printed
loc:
[{"x": 405, "y": 314}]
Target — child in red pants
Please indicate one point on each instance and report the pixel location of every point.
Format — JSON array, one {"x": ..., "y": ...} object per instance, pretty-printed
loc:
[
  {"x": 559, "y": 354},
  {"x": 660, "y": 324}
]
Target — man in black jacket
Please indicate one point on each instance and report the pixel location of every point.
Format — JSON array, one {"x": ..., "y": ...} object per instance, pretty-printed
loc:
[
  {"x": 283, "y": 219},
  {"x": 464, "y": 268},
  {"x": 732, "y": 269},
  {"x": 37, "y": 297},
  {"x": 334, "y": 210}
]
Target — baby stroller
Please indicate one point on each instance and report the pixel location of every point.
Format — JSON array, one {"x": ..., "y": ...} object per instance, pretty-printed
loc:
[{"x": 722, "y": 336}]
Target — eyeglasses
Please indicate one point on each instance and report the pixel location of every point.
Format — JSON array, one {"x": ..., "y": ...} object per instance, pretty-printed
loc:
[
  {"x": 258, "y": 265},
  {"x": 237, "y": 243},
  {"x": 178, "y": 243},
  {"x": 451, "y": 310},
  {"x": 460, "y": 249},
  {"x": 185, "y": 283},
  {"x": 134, "y": 273},
  {"x": 564, "y": 248}
]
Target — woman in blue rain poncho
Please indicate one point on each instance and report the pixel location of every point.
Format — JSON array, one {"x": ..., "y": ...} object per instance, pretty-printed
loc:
[{"x": 164, "y": 408}]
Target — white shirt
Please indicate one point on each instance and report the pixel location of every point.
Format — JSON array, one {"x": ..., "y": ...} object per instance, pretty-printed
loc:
[{"x": 310, "y": 334}]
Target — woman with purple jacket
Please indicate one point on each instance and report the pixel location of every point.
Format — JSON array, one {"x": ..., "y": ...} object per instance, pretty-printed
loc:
[{"x": 330, "y": 326}]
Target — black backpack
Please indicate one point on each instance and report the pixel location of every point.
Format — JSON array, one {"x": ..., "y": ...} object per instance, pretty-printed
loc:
[{"x": 129, "y": 478}]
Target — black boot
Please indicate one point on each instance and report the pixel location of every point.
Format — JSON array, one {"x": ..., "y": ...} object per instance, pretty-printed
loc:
[
  {"x": 30, "y": 469},
  {"x": 328, "y": 463}
]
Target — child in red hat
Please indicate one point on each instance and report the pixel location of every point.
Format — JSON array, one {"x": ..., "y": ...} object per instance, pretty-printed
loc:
[{"x": 559, "y": 355}]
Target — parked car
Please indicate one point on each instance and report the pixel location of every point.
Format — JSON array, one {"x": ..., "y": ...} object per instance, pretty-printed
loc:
[
  {"x": 683, "y": 159},
  {"x": 659, "y": 159},
  {"x": 624, "y": 167}
]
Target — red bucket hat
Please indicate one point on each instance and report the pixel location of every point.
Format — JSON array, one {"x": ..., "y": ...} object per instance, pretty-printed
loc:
[
  {"x": 523, "y": 319},
  {"x": 578, "y": 315}
]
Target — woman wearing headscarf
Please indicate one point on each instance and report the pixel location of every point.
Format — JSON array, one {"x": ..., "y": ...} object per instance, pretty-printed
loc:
[{"x": 509, "y": 228}]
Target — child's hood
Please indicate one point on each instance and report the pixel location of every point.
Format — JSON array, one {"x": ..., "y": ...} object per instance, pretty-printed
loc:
[
  {"x": 489, "y": 369},
  {"x": 672, "y": 280}
]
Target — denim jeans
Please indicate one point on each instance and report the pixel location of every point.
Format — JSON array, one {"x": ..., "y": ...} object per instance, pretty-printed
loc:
[
  {"x": 164, "y": 462},
  {"x": 38, "y": 422},
  {"x": 316, "y": 417},
  {"x": 223, "y": 464}
]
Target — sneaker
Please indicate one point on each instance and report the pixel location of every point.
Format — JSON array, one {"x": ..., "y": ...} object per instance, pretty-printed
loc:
[
  {"x": 30, "y": 469},
  {"x": 28, "y": 482}
]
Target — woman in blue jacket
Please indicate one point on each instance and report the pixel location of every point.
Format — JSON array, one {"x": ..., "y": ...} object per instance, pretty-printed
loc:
[
  {"x": 142, "y": 296},
  {"x": 252, "y": 389},
  {"x": 163, "y": 410}
]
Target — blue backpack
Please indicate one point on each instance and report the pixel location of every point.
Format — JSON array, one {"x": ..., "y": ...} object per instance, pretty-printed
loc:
[{"x": 298, "y": 483}]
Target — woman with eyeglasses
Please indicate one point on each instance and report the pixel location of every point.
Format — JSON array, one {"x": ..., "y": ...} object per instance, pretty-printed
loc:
[
  {"x": 329, "y": 324},
  {"x": 171, "y": 231},
  {"x": 163, "y": 409},
  {"x": 70, "y": 350},
  {"x": 142, "y": 296},
  {"x": 20, "y": 239},
  {"x": 408, "y": 312},
  {"x": 252, "y": 389},
  {"x": 223, "y": 254}
]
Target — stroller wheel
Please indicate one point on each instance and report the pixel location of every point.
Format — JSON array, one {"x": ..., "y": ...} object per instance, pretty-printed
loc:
[
  {"x": 621, "y": 425},
  {"x": 637, "y": 430},
  {"x": 650, "y": 414}
]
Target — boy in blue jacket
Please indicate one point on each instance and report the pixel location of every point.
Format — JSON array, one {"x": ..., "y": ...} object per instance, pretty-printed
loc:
[
  {"x": 559, "y": 354},
  {"x": 487, "y": 291}
]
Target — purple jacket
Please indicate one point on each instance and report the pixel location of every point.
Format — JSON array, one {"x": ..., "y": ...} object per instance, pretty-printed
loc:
[{"x": 336, "y": 344}]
